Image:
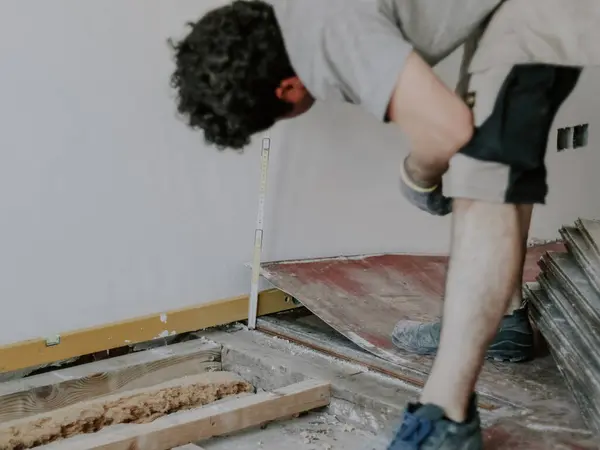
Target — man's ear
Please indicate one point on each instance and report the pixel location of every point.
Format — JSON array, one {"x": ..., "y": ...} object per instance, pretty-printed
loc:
[{"x": 291, "y": 90}]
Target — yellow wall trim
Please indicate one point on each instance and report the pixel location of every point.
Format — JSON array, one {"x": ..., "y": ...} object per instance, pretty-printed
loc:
[{"x": 34, "y": 352}]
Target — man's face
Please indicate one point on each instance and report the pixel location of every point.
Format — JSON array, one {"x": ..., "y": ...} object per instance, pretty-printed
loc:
[{"x": 293, "y": 91}]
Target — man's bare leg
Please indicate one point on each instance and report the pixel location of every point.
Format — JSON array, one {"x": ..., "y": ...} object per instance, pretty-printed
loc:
[
  {"x": 485, "y": 270},
  {"x": 514, "y": 341},
  {"x": 516, "y": 300}
]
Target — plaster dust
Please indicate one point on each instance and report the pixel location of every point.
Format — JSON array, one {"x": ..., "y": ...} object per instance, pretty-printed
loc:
[
  {"x": 136, "y": 406},
  {"x": 314, "y": 431}
]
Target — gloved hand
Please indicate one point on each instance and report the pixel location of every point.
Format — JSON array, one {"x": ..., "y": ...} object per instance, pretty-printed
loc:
[{"x": 428, "y": 199}]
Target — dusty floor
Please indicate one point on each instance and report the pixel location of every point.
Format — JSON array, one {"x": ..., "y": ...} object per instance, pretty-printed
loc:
[
  {"x": 372, "y": 401},
  {"x": 315, "y": 431},
  {"x": 319, "y": 431}
]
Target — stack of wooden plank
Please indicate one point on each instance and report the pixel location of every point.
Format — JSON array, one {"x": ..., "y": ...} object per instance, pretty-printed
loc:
[{"x": 565, "y": 306}]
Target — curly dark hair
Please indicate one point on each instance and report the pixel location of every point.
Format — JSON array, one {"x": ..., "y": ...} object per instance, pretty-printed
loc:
[{"x": 227, "y": 71}]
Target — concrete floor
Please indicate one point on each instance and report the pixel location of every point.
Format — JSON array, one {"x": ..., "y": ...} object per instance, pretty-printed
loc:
[{"x": 315, "y": 431}]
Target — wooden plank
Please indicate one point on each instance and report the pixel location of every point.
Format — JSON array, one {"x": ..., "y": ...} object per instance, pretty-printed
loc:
[
  {"x": 362, "y": 298},
  {"x": 577, "y": 286},
  {"x": 61, "y": 388},
  {"x": 138, "y": 406},
  {"x": 213, "y": 420},
  {"x": 310, "y": 331},
  {"x": 577, "y": 363},
  {"x": 591, "y": 231},
  {"x": 584, "y": 254},
  {"x": 82, "y": 342},
  {"x": 582, "y": 246},
  {"x": 570, "y": 311}
]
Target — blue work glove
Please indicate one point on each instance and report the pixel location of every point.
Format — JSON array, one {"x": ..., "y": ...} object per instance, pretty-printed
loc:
[{"x": 430, "y": 199}]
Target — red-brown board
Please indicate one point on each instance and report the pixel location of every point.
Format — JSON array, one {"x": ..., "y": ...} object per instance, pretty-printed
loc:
[
  {"x": 363, "y": 297},
  {"x": 511, "y": 436}
]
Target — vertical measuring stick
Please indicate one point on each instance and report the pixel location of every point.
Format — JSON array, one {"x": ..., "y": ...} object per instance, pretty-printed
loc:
[{"x": 258, "y": 234}]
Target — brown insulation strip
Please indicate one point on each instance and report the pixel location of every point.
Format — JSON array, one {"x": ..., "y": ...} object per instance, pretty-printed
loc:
[{"x": 138, "y": 406}]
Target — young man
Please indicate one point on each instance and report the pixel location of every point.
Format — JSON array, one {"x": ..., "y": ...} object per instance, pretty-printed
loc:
[{"x": 246, "y": 65}]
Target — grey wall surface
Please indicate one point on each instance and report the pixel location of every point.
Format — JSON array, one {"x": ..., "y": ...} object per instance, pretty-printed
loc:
[{"x": 110, "y": 208}]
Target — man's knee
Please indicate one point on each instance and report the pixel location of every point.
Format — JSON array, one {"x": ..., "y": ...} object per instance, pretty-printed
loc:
[
  {"x": 482, "y": 214},
  {"x": 514, "y": 108},
  {"x": 460, "y": 129},
  {"x": 433, "y": 117}
]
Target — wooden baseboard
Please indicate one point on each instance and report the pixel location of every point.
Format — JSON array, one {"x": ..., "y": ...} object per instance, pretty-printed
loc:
[{"x": 35, "y": 352}]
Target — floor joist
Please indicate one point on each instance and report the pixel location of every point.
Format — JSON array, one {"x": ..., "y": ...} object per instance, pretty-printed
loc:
[
  {"x": 61, "y": 388},
  {"x": 138, "y": 406},
  {"x": 203, "y": 423}
]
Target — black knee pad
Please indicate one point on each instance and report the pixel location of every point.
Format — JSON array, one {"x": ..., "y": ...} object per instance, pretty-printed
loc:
[{"x": 516, "y": 133}]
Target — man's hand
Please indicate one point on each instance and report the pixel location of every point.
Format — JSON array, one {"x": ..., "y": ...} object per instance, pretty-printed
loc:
[{"x": 427, "y": 196}]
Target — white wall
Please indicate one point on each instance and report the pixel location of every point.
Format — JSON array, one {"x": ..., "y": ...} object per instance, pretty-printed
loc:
[
  {"x": 572, "y": 174},
  {"x": 111, "y": 208}
]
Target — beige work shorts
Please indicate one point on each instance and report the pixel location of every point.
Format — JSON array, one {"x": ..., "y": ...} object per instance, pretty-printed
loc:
[{"x": 517, "y": 72}]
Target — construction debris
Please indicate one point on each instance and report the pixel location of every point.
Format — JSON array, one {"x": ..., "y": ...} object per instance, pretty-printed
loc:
[
  {"x": 139, "y": 401},
  {"x": 565, "y": 302}
]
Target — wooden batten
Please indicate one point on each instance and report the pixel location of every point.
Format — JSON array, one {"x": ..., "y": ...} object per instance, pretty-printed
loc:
[
  {"x": 217, "y": 419},
  {"x": 35, "y": 352},
  {"x": 137, "y": 406},
  {"x": 61, "y": 388}
]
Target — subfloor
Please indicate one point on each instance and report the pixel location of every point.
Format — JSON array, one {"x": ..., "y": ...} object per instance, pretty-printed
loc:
[
  {"x": 315, "y": 431},
  {"x": 321, "y": 431},
  {"x": 537, "y": 386},
  {"x": 369, "y": 403},
  {"x": 363, "y": 297}
]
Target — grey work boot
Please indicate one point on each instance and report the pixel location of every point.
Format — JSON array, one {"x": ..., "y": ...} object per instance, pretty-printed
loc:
[
  {"x": 425, "y": 427},
  {"x": 513, "y": 342},
  {"x": 429, "y": 200}
]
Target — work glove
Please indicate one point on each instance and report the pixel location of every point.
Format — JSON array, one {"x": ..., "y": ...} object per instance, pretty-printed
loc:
[{"x": 430, "y": 200}]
